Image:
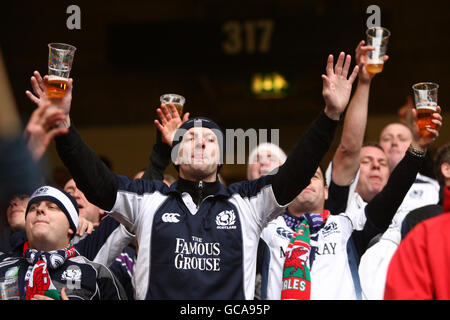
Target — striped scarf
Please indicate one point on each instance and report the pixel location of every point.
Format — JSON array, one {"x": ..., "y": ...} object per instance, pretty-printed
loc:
[
  {"x": 40, "y": 282},
  {"x": 296, "y": 283}
]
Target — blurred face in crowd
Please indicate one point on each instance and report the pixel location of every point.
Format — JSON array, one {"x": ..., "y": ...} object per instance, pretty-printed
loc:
[
  {"x": 47, "y": 226},
  {"x": 266, "y": 161},
  {"x": 87, "y": 210},
  {"x": 395, "y": 140},
  {"x": 313, "y": 197},
  {"x": 199, "y": 155},
  {"x": 374, "y": 172},
  {"x": 15, "y": 213}
]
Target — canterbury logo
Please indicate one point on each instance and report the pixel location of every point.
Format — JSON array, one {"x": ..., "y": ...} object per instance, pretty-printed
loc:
[
  {"x": 285, "y": 233},
  {"x": 171, "y": 217}
]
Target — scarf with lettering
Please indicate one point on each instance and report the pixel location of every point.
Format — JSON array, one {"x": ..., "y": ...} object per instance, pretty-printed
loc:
[
  {"x": 296, "y": 283},
  {"x": 39, "y": 281}
]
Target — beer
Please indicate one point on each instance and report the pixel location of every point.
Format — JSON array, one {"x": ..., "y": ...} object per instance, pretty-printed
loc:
[
  {"x": 377, "y": 37},
  {"x": 426, "y": 101},
  {"x": 374, "y": 67},
  {"x": 60, "y": 58},
  {"x": 179, "y": 109},
  {"x": 424, "y": 117},
  {"x": 56, "y": 87},
  {"x": 175, "y": 99}
]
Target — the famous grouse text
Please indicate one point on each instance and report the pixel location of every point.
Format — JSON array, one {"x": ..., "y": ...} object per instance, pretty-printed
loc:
[{"x": 197, "y": 255}]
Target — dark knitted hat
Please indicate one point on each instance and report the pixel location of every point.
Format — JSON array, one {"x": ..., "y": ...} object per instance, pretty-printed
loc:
[
  {"x": 59, "y": 197},
  {"x": 200, "y": 122}
]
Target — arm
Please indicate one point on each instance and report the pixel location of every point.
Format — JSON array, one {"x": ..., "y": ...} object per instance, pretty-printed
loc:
[
  {"x": 90, "y": 173},
  {"x": 106, "y": 242},
  {"x": 337, "y": 198},
  {"x": 159, "y": 161},
  {"x": 384, "y": 205},
  {"x": 295, "y": 174},
  {"x": 346, "y": 158},
  {"x": 40, "y": 129},
  {"x": 380, "y": 211}
]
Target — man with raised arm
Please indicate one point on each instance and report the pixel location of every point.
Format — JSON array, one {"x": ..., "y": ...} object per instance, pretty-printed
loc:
[
  {"x": 366, "y": 169},
  {"x": 316, "y": 254},
  {"x": 198, "y": 239}
]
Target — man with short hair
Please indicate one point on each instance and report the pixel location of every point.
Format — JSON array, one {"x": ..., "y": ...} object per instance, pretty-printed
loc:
[
  {"x": 373, "y": 171},
  {"x": 348, "y": 169},
  {"x": 198, "y": 239},
  {"x": 316, "y": 254},
  {"x": 50, "y": 262},
  {"x": 395, "y": 139}
]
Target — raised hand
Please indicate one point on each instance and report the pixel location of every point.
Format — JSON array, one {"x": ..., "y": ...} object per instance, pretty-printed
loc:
[
  {"x": 170, "y": 122},
  {"x": 362, "y": 57},
  {"x": 423, "y": 141},
  {"x": 336, "y": 87},
  {"x": 85, "y": 226},
  {"x": 43, "y": 127},
  {"x": 39, "y": 86}
]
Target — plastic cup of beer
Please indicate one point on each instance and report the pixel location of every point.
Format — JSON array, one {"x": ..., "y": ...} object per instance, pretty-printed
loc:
[
  {"x": 426, "y": 101},
  {"x": 175, "y": 99},
  {"x": 60, "y": 58},
  {"x": 377, "y": 37},
  {"x": 9, "y": 288}
]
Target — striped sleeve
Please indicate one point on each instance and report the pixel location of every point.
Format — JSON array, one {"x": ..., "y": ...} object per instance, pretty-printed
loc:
[
  {"x": 133, "y": 197},
  {"x": 259, "y": 195}
]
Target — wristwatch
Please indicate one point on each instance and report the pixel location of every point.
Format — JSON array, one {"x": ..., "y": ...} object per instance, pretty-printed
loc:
[{"x": 416, "y": 152}]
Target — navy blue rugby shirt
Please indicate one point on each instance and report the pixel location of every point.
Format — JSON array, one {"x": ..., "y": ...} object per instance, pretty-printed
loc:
[{"x": 189, "y": 250}]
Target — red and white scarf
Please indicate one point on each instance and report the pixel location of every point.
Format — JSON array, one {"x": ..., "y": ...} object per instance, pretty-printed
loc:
[
  {"x": 39, "y": 281},
  {"x": 296, "y": 281}
]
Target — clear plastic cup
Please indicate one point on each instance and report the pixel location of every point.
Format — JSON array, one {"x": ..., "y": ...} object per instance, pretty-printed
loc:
[
  {"x": 379, "y": 38},
  {"x": 426, "y": 101},
  {"x": 60, "y": 59},
  {"x": 175, "y": 99}
]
